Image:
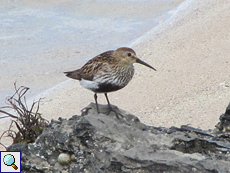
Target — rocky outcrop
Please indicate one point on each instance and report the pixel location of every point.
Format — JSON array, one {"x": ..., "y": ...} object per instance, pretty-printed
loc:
[
  {"x": 224, "y": 124},
  {"x": 102, "y": 143}
]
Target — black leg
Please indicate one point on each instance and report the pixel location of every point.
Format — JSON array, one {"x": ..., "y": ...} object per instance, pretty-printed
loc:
[
  {"x": 107, "y": 100},
  {"x": 95, "y": 97}
]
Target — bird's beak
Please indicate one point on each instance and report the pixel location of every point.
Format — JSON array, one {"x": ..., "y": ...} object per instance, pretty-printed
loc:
[{"x": 144, "y": 63}]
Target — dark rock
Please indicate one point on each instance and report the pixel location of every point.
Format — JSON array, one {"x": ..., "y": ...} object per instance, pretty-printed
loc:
[
  {"x": 102, "y": 143},
  {"x": 224, "y": 124}
]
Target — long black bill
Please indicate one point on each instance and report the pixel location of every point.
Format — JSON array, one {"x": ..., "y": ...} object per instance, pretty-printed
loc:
[{"x": 144, "y": 63}]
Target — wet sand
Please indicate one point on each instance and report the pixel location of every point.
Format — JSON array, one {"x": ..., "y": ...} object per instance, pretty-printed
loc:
[{"x": 191, "y": 85}]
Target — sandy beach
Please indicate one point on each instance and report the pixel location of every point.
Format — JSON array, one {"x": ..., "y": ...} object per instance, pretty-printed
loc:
[{"x": 189, "y": 49}]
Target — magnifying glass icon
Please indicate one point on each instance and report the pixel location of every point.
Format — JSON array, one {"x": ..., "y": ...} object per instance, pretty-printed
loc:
[{"x": 9, "y": 160}]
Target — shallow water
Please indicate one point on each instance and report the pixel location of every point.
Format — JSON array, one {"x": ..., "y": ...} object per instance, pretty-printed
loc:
[{"x": 41, "y": 40}]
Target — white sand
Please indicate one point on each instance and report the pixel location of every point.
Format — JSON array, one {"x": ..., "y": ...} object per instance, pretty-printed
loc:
[{"x": 191, "y": 86}]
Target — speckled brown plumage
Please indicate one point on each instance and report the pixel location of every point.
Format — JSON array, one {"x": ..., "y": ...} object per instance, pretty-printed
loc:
[
  {"x": 107, "y": 72},
  {"x": 91, "y": 67}
]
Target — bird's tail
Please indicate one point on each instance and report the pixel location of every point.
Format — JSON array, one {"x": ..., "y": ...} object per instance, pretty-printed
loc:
[{"x": 73, "y": 74}]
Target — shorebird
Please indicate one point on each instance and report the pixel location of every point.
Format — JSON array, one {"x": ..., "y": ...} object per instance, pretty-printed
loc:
[{"x": 107, "y": 72}]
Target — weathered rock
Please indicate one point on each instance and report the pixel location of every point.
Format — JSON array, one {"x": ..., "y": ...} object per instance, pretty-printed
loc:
[
  {"x": 224, "y": 124},
  {"x": 103, "y": 143}
]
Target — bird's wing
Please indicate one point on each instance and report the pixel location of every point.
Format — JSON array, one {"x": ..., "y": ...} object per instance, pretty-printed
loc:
[{"x": 93, "y": 66}]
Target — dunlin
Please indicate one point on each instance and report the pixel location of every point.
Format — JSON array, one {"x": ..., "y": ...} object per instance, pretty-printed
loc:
[{"x": 107, "y": 72}]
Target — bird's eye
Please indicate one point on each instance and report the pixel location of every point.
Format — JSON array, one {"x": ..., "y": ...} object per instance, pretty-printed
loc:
[{"x": 129, "y": 54}]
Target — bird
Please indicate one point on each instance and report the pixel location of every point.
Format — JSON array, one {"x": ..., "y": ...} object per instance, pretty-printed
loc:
[{"x": 107, "y": 72}]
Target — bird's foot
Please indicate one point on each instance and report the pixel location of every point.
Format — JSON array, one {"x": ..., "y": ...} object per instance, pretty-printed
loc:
[
  {"x": 93, "y": 108},
  {"x": 110, "y": 109}
]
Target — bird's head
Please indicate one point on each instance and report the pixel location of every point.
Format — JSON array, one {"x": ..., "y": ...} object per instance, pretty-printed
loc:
[{"x": 128, "y": 56}]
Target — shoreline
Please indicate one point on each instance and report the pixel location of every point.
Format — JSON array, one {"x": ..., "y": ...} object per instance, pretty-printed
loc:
[
  {"x": 72, "y": 36},
  {"x": 193, "y": 92}
]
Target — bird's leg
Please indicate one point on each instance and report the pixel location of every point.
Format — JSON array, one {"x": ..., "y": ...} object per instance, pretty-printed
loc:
[
  {"x": 95, "y": 97},
  {"x": 108, "y": 101},
  {"x": 110, "y": 107}
]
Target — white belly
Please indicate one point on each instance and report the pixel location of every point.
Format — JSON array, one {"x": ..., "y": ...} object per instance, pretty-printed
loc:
[{"x": 91, "y": 85}]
